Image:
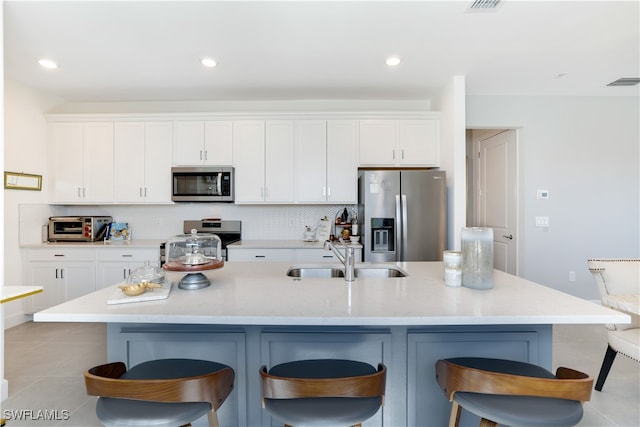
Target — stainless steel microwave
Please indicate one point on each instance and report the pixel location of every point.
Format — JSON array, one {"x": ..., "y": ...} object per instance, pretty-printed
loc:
[{"x": 202, "y": 184}]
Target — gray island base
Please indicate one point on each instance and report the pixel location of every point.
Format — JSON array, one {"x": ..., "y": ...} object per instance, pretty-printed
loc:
[{"x": 254, "y": 315}]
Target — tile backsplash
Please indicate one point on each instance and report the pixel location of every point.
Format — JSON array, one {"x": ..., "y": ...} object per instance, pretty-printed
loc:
[{"x": 259, "y": 222}]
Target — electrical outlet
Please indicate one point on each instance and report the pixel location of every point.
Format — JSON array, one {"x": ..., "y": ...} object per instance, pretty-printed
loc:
[
  {"x": 572, "y": 276},
  {"x": 542, "y": 221}
]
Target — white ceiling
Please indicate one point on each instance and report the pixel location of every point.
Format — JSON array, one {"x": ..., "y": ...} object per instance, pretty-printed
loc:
[{"x": 150, "y": 50}]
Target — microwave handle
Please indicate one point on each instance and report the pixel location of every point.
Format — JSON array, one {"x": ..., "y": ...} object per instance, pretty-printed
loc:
[{"x": 219, "y": 183}]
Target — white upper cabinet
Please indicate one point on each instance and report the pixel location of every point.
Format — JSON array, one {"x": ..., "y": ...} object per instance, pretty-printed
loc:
[
  {"x": 263, "y": 158},
  {"x": 279, "y": 161},
  {"x": 326, "y": 161},
  {"x": 311, "y": 161},
  {"x": 248, "y": 156},
  {"x": 419, "y": 142},
  {"x": 342, "y": 161},
  {"x": 199, "y": 142},
  {"x": 400, "y": 142},
  {"x": 83, "y": 162},
  {"x": 218, "y": 143},
  {"x": 143, "y": 162}
]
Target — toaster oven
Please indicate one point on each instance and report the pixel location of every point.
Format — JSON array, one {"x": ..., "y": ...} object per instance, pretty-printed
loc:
[{"x": 78, "y": 228}]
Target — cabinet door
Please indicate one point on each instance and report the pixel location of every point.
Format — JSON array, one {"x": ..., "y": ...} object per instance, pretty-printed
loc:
[
  {"x": 248, "y": 161},
  {"x": 218, "y": 143},
  {"x": 279, "y": 161},
  {"x": 111, "y": 273},
  {"x": 157, "y": 162},
  {"x": 419, "y": 142},
  {"x": 79, "y": 279},
  {"x": 129, "y": 147},
  {"x": 188, "y": 143},
  {"x": 115, "y": 265},
  {"x": 47, "y": 275},
  {"x": 378, "y": 142},
  {"x": 67, "y": 155},
  {"x": 342, "y": 161},
  {"x": 311, "y": 161},
  {"x": 98, "y": 163}
]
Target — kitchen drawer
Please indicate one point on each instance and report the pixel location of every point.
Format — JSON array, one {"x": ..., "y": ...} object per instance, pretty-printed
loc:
[
  {"x": 314, "y": 255},
  {"x": 62, "y": 254},
  {"x": 321, "y": 255},
  {"x": 129, "y": 254},
  {"x": 260, "y": 255}
]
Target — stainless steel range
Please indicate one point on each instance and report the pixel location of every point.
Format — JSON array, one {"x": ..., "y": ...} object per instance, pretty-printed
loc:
[{"x": 228, "y": 232}]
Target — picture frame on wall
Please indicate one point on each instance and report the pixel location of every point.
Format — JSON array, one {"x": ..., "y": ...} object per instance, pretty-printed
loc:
[{"x": 22, "y": 181}]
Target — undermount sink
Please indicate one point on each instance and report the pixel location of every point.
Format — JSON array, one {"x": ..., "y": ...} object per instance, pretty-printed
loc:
[{"x": 328, "y": 271}]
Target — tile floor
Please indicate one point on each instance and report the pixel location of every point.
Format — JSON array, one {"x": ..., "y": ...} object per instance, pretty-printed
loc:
[{"x": 44, "y": 364}]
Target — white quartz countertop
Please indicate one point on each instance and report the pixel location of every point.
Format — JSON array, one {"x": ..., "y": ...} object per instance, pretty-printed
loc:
[
  {"x": 276, "y": 244},
  {"x": 135, "y": 243},
  {"x": 245, "y": 293}
]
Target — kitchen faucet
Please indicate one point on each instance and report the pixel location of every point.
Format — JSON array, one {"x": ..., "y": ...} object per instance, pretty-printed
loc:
[{"x": 348, "y": 259}]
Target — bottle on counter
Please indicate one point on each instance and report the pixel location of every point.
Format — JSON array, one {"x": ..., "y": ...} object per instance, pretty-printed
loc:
[{"x": 344, "y": 218}]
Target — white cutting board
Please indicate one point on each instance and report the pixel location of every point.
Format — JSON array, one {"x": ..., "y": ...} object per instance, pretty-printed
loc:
[{"x": 150, "y": 295}]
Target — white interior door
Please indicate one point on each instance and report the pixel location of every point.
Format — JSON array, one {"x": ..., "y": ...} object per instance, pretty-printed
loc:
[{"x": 497, "y": 196}]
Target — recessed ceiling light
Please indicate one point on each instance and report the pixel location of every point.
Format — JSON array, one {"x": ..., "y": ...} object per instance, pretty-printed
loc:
[
  {"x": 47, "y": 63},
  {"x": 392, "y": 61},
  {"x": 208, "y": 62}
]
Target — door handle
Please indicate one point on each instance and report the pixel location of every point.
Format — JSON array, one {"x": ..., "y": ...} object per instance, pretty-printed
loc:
[{"x": 510, "y": 236}]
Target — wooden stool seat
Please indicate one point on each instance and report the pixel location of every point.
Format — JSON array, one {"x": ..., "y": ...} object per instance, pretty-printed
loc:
[
  {"x": 323, "y": 392},
  {"x": 513, "y": 393},
  {"x": 159, "y": 393}
]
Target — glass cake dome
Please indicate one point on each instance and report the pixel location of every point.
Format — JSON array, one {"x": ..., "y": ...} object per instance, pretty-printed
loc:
[{"x": 192, "y": 254}]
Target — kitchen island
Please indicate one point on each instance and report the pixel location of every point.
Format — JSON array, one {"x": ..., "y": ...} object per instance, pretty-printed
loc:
[{"x": 253, "y": 314}]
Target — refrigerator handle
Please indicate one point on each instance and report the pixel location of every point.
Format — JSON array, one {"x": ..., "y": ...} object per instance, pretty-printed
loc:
[
  {"x": 405, "y": 231},
  {"x": 399, "y": 230}
]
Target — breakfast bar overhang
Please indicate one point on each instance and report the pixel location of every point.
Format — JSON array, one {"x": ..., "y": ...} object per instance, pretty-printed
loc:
[{"x": 254, "y": 315}]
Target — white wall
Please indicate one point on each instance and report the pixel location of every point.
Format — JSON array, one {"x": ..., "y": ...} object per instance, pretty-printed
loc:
[
  {"x": 25, "y": 150},
  {"x": 452, "y": 157},
  {"x": 586, "y": 152}
]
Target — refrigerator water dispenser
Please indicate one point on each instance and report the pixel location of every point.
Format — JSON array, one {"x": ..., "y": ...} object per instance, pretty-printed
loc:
[{"x": 382, "y": 232}]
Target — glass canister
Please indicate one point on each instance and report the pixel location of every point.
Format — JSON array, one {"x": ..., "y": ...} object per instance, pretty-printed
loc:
[
  {"x": 477, "y": 257},
  {"x": 452, "y": 268}
]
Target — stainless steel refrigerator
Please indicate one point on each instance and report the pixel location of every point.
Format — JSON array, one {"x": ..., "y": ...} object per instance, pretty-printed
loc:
[{"x": 402, "y": 214}]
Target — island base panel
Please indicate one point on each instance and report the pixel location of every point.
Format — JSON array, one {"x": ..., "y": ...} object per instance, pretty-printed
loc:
[{"x": 413, "y": 397}]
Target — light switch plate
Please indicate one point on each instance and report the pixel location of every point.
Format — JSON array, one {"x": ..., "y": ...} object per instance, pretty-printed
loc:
[{"x": 543, "y": 194}]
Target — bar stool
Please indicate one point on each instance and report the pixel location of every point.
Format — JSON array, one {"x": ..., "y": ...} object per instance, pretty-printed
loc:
[
  {"x": 323, "y": 392},
  {"x": 159, "y": 393},
  {"x": 513, "y": 393}
]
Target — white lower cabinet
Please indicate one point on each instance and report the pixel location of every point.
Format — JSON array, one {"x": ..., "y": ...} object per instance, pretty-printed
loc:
[
  {"x": 68, "y": 273},
  {"x": 321, "y": 255},
  {"x": 298, "y": 255},
  {"x": 64, "y": 274},
  {"x": 115, "y": 265},
  {"x": 260, "y": 255}
]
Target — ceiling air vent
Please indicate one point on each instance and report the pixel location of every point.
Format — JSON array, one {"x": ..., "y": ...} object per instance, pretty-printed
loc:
[
  {"x": 625, "y": 81},
  {"x": 483, "y": 5}
]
